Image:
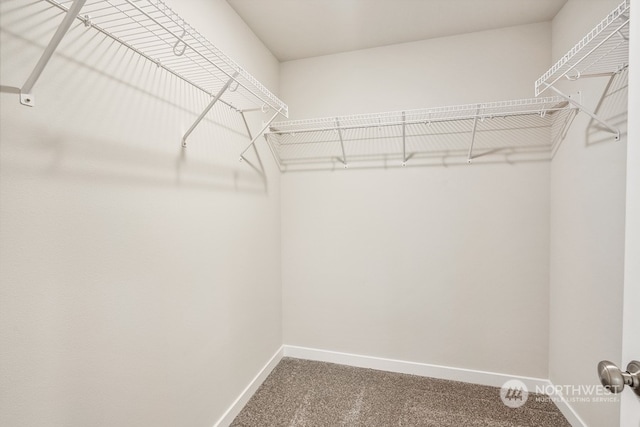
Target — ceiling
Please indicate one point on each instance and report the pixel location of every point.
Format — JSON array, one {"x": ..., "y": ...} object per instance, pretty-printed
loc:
[{"x": 295, "y": 29}]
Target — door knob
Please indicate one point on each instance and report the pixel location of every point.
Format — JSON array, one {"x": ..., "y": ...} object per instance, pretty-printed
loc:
[{"x": 614, "y": 380}]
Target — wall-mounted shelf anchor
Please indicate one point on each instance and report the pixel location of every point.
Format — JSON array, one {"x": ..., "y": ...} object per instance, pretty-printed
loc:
[
  {"x": 264, "y": 128},
  {"x": 206, "y": 110},
  {"x": 604, "y": 51},
  {"x": 572, "y": 100},
  {"x": 26, "y": 95}
]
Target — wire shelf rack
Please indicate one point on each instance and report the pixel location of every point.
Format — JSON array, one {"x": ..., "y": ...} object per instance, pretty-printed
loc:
[
  {"x": 156, "y": 32},
  {"x": 404, "y": 136},
  {"x": 604, "y": 50}
]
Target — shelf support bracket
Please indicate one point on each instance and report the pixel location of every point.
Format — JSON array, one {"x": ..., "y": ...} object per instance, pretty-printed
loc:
[
  {"x": 591, "y": 114},
  {"x": 344, "y": 156},
  {"x": 255, "y": 138},
  {"x": 622, "y": 36},
  {"x": 404, "y": 139},
  {"x": 26, "y": 96},
  {"x": 473, "y": 135},
  {"x": 206, "y": 110},
  {"x": 273, "y": 153},
  {"x": 246, "y": 125},
  {"x": 259, "y": 170}
]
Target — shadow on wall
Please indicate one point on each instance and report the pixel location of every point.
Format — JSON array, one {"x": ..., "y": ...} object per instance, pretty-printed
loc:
[
  {"x": 94, "y": 160},
  {"x": 443, "y": 159},
  {"x": 105, "y": 113},
  {"x": 612, "y": 107}
]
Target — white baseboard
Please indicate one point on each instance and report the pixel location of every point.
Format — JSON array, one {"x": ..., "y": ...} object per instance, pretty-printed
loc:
[
  {"x": 413, "y": 368},
  {"x": 567, "y": 410},
  {"x": 227, "y": 418},
  {"x": 493, "y": 379}
]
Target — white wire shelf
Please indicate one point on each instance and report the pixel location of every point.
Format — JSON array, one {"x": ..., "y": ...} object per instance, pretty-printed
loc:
[
  {"x": 405, "y": 136},
  {"x": 604, "y": 50},
  {"x": 155, "y": 31}
]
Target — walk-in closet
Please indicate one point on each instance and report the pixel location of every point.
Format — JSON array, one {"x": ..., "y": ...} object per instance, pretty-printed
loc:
[{"x": 323, "y": 213}]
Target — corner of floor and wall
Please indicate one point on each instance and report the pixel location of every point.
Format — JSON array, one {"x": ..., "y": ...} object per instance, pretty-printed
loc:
[{"x": 143, "y": 284}]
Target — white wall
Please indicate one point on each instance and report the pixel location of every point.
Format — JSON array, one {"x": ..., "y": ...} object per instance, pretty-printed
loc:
[
  {"x": 443, "y": 265},
  {"x": 630, "y": 402},
  {"x": 139, "y": 286},
  {"x": 486, "y": 66},
  {"x": 587, "y": 226}
]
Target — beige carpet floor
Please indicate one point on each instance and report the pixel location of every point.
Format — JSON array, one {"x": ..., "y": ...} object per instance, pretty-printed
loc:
[{"x": 305, "y": 393}]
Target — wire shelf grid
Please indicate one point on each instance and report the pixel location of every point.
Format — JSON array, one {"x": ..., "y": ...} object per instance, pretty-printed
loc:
[
  {"x": 410, "y": 135},
  {"x": 426, "y": 115},
  {"x": 604, "y": 50},
  {"x": 156, "y": 32}
]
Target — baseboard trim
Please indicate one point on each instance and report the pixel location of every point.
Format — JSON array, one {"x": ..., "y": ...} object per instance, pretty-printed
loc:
[
  {"x": 392, "y": 365},
  {"x": 493, "y": 379},
  {"x": 235, "y": 408},
  {"x": 567, "y": 410},
  {"x": 403, "y": 367}
]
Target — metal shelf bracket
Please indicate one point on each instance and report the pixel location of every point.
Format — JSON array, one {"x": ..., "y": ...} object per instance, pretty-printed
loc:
[
  {"x": 344, "y": 156},
  {"x": 473, "y": 135},
  {"x": 206, "y": 110},
  {"x": 404, "y": 139},
  {"x": 26, "y": 92},
  {"x": 255, "y": 138},
  {"x": 246, "y": 125},
  {"x": 590, "y": 113},
  {"x": 272, "y": 149},
  {"x": 603, "y": 51}
]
